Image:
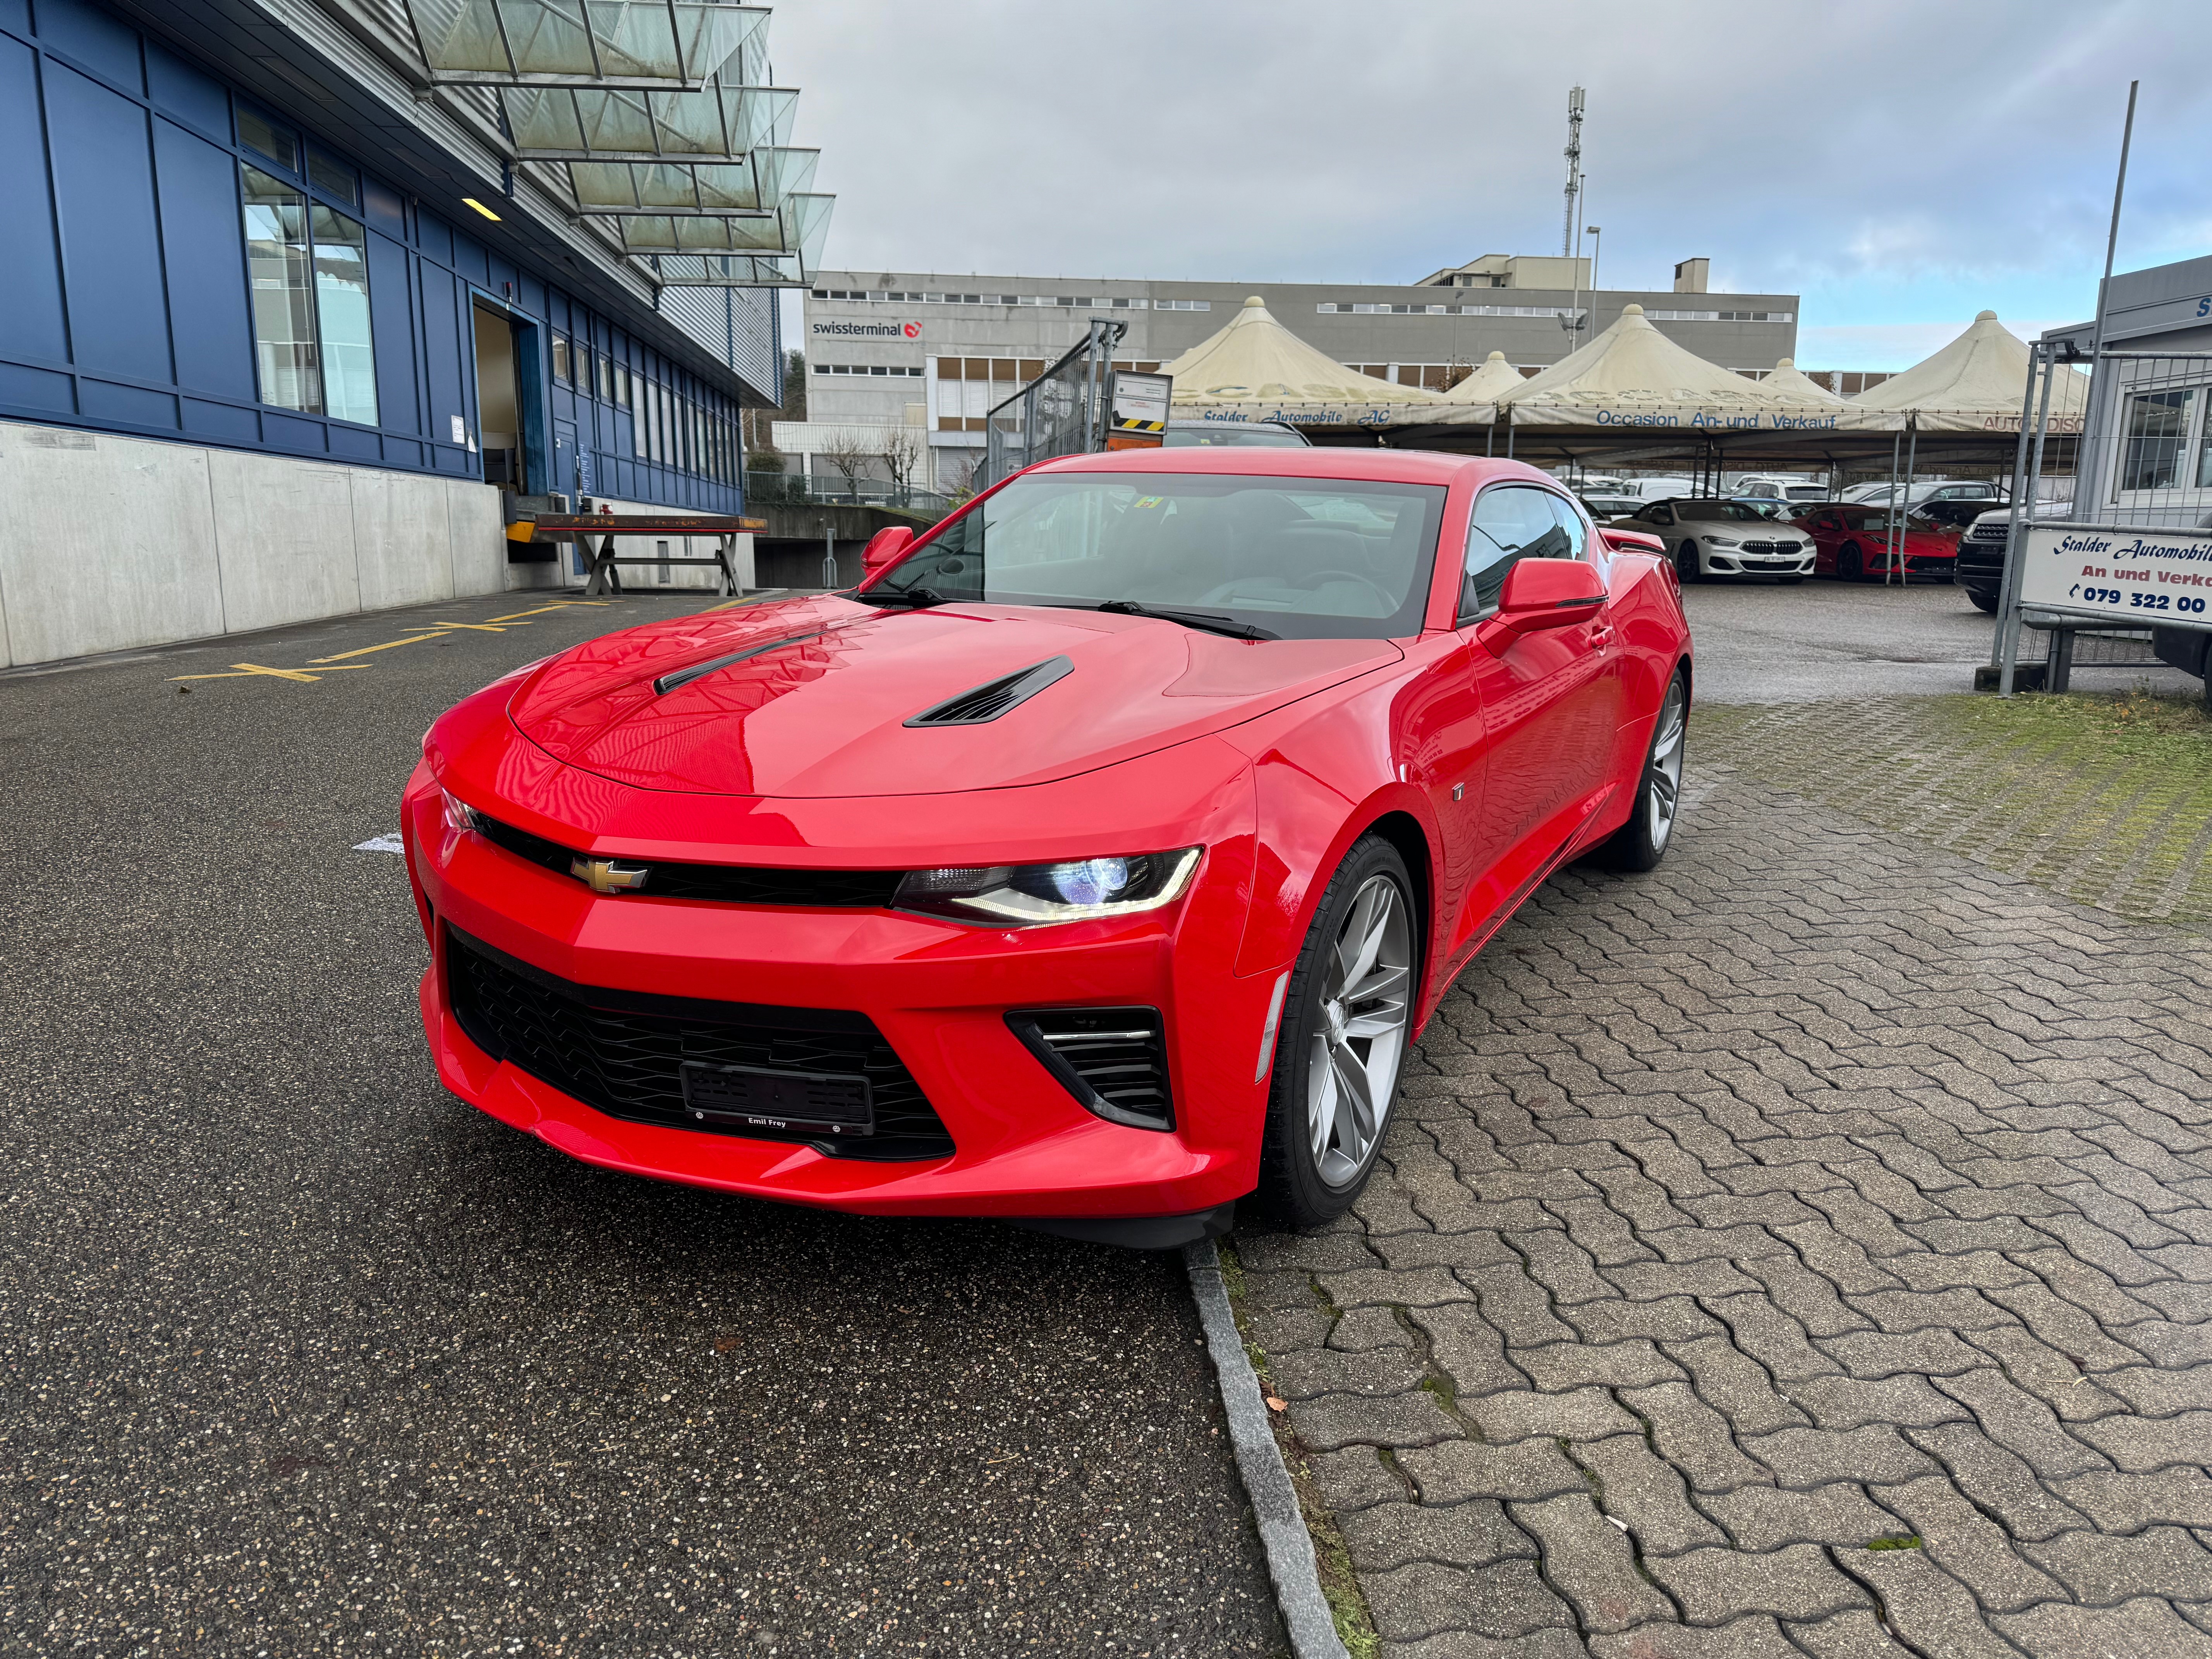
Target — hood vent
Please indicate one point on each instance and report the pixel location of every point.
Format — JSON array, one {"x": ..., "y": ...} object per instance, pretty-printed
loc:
[
  {"x": 985, "y": 702},
  {"x": 669, "y": 681}
]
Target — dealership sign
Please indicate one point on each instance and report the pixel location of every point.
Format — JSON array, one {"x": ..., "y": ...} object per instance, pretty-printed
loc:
[{"x": 2118, "y": 572}]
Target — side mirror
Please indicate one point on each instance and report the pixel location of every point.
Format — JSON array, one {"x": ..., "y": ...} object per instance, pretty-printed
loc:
[
  {"x": 884, "y": 548},
  {"x": 1540, "y": 593},
  {"x": 1629, "y": 541}
]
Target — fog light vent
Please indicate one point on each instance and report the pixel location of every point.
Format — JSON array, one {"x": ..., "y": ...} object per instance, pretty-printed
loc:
[{"x": 1113, "y": 1060}]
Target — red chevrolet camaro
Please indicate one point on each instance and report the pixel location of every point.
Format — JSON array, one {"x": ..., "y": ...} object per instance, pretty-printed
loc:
[
  {"x": 1091, "y": 865},
  {"x": 1855, "y": 543}
]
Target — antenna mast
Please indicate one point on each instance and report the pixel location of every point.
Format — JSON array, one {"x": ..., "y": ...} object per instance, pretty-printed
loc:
[{"x": 1574, "y": 167}]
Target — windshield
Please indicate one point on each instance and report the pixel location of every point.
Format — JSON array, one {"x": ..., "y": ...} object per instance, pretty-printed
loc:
[
  {"x": 1302, "y": 558},
  {"x": 1731, "y": 512}
]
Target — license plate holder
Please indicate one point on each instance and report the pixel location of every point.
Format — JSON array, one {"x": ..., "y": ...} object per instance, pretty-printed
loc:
[{"x": 777, "y": 1100}]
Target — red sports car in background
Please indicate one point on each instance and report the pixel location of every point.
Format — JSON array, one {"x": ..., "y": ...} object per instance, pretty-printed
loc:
[
  {"x": 1854, "y": 543},
  {"x": 1093, "y": 864}
]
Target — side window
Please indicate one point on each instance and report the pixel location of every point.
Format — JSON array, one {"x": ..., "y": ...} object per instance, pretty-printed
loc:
[
  {"x": 1510, "y": 525},
  {"x": 1662, "y": 516},
  {"x": 1572, "y": 528}
]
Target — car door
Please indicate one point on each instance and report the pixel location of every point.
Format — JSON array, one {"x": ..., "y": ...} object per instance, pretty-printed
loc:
[{"x": 1548, "y": 721}]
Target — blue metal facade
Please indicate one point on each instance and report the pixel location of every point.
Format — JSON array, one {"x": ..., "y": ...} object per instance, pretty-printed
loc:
[{"x": 124, "y": 300}]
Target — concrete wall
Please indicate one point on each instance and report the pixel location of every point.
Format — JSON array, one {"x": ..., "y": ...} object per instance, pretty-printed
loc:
[
  {"x": 111, "y": 544},
  {"x": 640, "y": 576}
]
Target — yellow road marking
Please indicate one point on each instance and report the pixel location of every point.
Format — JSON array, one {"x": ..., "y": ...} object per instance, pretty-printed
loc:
[
  {"x": 412, "y": 639},
  {"x": 542, "y": 609},
  {"x": 480, "y": 628},
  {"x": 246, "y": 670},
  {"x": 732, "y": 605}
]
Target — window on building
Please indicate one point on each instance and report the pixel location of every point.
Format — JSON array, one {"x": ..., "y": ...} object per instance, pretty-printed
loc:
[
  {"x": 2158, "y": 426},
  {"x": 264, "y": 137},
  {"x": 606, "y": 378},
  {"x": 560, "y": 358},
  {"x": 332, "y": 177},
  {"x": 348, "y": 348},
  {"x": 279, "y": 267},
  {"x": 634, "y": 399},
  {"x": 622, "y": 385}
]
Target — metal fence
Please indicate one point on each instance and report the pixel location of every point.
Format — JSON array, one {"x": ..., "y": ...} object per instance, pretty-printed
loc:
[
  {"x": 798, "y": 490},
  {"x": 2138, "y": 454},
  {"x": 1064, "y": 411}
]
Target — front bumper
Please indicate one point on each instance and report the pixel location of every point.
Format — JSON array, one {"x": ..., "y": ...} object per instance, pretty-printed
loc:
[
  {"x": 1022, "y": 1146},
  {"x": 1745, "y": 562}
]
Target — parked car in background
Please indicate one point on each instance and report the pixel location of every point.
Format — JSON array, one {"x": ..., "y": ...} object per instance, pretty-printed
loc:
[
  {"x": 1603, "y": 507},
  {"x": 1981, "y": 553},
  {"x": 1238, "y": 434},
  {"x": 1854, "y": 543},
  {"x": 1775, "y": 487},
  {"x": 1805, "y": 492},
  {"x": 1929, "y": 489},
  {"x": 1772, "y": 508},
  {"x": 1712, "y": 537}
]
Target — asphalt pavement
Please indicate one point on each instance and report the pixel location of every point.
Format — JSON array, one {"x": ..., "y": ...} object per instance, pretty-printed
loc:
[
  {"x": 303, "y": 1356},
  {"x": 1760, "y": 642}
]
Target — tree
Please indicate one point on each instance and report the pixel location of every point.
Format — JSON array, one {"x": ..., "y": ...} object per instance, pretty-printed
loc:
[
  {"x": 1457, "y": 369},
  {"x": 903, "y": 454},
  {"x": 849, "y": 452}
]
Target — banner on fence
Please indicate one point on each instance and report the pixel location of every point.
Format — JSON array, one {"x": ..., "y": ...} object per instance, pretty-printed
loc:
[{"x": 2128, "y": 573}]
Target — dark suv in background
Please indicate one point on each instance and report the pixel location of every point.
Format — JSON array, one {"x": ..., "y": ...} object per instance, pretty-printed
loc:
[{"x": 1981, "y": 566}]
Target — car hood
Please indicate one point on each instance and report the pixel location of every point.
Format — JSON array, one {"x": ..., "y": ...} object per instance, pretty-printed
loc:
[{"x": 823, "y": 710}]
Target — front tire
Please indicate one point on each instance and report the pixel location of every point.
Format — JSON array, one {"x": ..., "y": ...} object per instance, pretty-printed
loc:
[
  {"x": 1984, "y": 602},
  {"x": 1850, "y": 563},
  {"x": 1687, "y": 564},
  {"x": 1347, "y": 1021},
  {"x": 1641, "y": 842}
]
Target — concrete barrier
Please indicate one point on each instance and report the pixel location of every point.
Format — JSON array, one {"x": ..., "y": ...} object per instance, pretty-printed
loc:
[{"x": 111, "y": 544}]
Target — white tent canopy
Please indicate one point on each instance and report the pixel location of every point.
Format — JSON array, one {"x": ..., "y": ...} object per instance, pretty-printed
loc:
[
  {"x": 1493, "y": 380},
  {"x": 1792, "y": 382},
  {"x": 1977, "y": 380},
  {"x": 1255, "y": 369},
  {"x": 1631, "y": 375}
]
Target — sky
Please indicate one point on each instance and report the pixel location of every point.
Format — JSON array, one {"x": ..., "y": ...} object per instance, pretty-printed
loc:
[{"x": 1899, "y": 165}]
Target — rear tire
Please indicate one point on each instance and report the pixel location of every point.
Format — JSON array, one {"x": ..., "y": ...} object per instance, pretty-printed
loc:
[
  {"x": 1641, "y": 842},
  {"x": 1984, "y": 602},
  {"x": 1347, "y": 1023},
  {"x": 1850, "y": 563},
  {"x": 1687, "y": 564}
]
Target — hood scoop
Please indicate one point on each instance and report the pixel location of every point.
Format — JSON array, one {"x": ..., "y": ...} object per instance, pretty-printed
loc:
[{"x": 984, "y": 703}]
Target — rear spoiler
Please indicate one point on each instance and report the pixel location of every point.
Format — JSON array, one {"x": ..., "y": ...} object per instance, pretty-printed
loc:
[{"x": 1632, "y": 541}]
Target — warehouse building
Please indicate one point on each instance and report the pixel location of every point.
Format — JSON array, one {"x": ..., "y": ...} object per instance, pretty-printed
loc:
[
  {"x": 933, "y": 352},
  {"x": 303, "y": 297}
]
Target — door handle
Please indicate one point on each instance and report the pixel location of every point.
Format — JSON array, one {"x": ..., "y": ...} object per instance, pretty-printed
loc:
[{"x": 1602, "y": 636}]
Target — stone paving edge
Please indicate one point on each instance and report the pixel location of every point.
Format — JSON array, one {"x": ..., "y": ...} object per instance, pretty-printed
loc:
[{"x": 1283, "y": 1534}]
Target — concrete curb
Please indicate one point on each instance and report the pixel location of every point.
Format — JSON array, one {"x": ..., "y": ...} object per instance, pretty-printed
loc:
[{"x": 1260, "y": 1461}]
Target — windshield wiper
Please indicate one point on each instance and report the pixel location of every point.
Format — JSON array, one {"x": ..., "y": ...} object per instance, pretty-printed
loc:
[
  {"x": 1206, "y": 621},
  {"x": 918, "y": 598}
]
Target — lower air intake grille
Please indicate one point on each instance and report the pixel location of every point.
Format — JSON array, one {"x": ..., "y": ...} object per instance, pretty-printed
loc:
[
  {"x": 1114, "y": 1061},
  {"x": 623, "y": 1052}
]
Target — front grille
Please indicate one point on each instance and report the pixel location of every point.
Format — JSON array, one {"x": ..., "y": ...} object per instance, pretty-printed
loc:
[
  {"x": 1771, "y": 547},
  {"x": 1113, "y": 1060},
  {"x": 724, "y": 884},
  {"x": 621, "y": 1051}
]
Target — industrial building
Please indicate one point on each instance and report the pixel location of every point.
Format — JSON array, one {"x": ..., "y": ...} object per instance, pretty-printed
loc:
[
  {"x": 300, "y": 294},
  {"x": 933, "y": 352}
]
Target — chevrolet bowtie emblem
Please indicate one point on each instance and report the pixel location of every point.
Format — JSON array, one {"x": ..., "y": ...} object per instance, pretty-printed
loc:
[{"x": 606, "y": 875}]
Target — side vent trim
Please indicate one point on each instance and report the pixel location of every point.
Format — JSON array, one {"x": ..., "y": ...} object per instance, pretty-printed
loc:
[{"x": 981, "y": 704}]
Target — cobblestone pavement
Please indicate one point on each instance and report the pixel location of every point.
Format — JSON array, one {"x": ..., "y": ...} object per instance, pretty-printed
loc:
[{"x": 1804, "y": 1248}]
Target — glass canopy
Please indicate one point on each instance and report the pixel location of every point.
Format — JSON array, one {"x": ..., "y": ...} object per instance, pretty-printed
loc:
[
  {"x": 756, "y": 183},
  {"x": 717, "y": 122},
  {"x": 586, "y": 43}
]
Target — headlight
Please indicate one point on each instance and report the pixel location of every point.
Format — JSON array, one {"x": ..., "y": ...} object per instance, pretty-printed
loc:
[
  {"x": 459, "y": 815},
  {"x": 1029, "y": 895},
  {"x": 1720, "y": 541}
]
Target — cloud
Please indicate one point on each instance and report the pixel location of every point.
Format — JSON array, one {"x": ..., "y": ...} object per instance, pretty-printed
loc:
[{"x": 1872, "y": 157}]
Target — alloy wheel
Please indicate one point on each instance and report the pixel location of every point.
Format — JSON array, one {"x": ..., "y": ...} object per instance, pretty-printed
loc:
[
  {"x": 1359, "y": 1038},
  {"x": 1662, "y": 778}
]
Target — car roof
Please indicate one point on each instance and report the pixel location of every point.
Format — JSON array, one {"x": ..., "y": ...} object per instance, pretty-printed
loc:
[{"x": 1427, "y": 466}]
